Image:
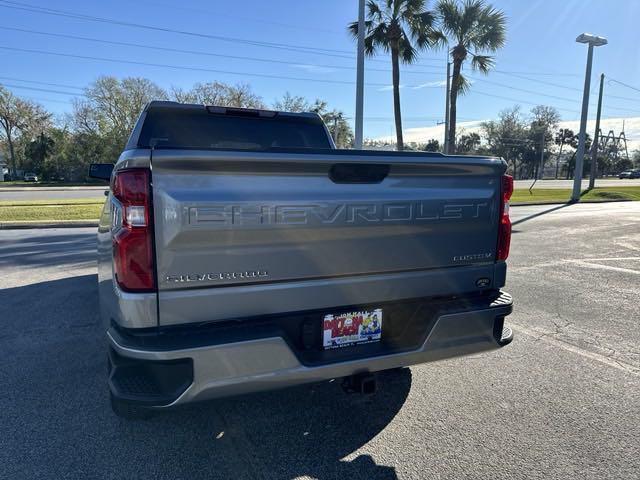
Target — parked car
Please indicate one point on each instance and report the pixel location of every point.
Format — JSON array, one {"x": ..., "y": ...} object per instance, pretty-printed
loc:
[
  {"x": 629, "y": 174},
  {"x": 30, "y": 177},
  {"x": 261, "y": 257}
]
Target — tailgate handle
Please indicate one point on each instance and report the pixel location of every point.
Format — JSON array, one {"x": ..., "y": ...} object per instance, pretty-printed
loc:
[{"x": 358, "y": 173}]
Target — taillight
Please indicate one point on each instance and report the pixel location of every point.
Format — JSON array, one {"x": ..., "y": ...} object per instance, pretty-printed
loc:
[
  {"x": 504, "y": 230},
  {"x": 131, "y": 224}
]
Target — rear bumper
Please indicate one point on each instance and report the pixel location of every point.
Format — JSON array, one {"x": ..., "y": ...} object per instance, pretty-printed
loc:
[{"x": 167, "y": 377}]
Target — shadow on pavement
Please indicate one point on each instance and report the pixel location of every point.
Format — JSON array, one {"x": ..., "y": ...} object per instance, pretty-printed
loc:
[
  {"x": 47, "y": 249},
  {"x": 57, "y": 422},
  {"x": 539, "y": 214}
]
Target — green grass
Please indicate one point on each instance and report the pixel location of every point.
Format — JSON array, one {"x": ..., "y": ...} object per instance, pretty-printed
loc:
[
  {"x": 90, "y": 208},
  {"x": 559, "y": 195},
  {"x": 57, "y": 201},
  {"x": 50, "y": 210},
  {"x": 21, "y": 183}
]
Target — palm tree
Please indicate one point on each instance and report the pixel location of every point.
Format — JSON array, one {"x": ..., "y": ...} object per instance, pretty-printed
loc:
[
  {"x": 401, "y": 27},
  {"x": 472, "y": 28}
]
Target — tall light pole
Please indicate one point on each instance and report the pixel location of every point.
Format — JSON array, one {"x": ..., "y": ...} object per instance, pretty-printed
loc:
[
  {"x": 592, "y": 41},
  {"x": 360, "y": 77}
]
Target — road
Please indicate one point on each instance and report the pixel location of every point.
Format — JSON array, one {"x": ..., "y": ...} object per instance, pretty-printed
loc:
[
  {"x": 55, "y": 193},
  {"x": 601, "y": 182},
  {"x": 562, "y": 401},
  {"x": 50, "y": 193}
]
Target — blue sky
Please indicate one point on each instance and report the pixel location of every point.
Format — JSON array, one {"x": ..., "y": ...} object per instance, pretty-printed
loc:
[{"x": 540, "y": 50}]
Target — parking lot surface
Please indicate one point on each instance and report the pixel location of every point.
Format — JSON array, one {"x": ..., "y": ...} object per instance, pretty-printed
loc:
[{"x": 562, "y": 401}]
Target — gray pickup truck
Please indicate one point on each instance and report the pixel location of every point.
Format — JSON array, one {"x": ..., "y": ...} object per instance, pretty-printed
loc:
[{"x": 240, "y": 251}]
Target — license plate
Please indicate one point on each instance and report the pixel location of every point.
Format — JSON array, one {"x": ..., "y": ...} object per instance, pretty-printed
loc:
[{"x": 351, "y": 328}]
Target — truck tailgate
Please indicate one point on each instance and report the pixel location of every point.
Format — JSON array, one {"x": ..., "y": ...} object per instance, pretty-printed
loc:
[{"x": 225, "y": 220}]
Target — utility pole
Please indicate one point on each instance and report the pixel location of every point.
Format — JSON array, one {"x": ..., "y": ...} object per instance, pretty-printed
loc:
[
  {"x": 446, "y": 110},
  {"x": 596, "y": 139},
  {"x": 360, "y": 77},
  {"x": 541, "y": 167}
]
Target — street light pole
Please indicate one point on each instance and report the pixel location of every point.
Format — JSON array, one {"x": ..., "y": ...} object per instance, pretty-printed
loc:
[
  {"x": 360, "y": 77},
  {"x": 577, "y": 175},
  {"x": 592, "y": 41},
  {"x": 596, "y": 139}
]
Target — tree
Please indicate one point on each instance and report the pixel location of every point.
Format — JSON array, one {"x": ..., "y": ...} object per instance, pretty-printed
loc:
[
  {"x": 564, "y": 137},
  {"x": 292, "y": 103},
  {"x": 544, "y": 121},
  {"x": 111, "y": 107},
  {"x": 432, "y": 145},
  {"x": 334, "y": 119},
  {"x": 507, "y": 137},
  {"x": 473, "y": 28},
  {"x": 220, "y": 94},
  {"x": 468, "y": 143},
  {"x": 401, "y": 27},
  {"x": 571, "y": 164},
  {"x": 19, "y": 117},
  {"x": 37, "y": 151}
]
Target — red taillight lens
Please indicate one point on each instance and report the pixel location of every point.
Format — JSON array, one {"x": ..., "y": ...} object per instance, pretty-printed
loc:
[
  {"x": 131, "y": 224},
  {"x": 504, "y": 230}
]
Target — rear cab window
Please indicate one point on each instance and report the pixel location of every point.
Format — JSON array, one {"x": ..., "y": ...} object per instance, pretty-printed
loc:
[{"x": 199, "y": 127}]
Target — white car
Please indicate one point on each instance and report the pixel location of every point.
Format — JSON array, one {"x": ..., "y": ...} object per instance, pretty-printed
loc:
[{"x": 30, "y": 177}]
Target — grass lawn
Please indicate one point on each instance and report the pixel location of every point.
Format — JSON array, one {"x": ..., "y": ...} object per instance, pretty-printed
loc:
[
  {"x": 90, "y": 208},
  {"x": 551, "y": 195},
  {"x": 50, "y": 210},
  {"x": 21, "y": 183}
]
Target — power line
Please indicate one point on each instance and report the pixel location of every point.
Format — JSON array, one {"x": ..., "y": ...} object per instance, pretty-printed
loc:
[
  {"x": 245, "y": 19},
  {"x": 200, "y": 52},
  {"x": 280, "y": 46},
  {"x": 612, "y": 80},
  {"x": 48, "y": 90},
  {"x": 178, "y": 67},
  {"x": 518, "y": 101},
  {"x": 41, "y": 83},
  {"x": 550, "y": 74},
  {"x": 198, "y": 69}
]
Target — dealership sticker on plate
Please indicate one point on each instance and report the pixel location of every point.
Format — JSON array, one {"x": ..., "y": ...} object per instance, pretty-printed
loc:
[{"x": 352, "y": 328}]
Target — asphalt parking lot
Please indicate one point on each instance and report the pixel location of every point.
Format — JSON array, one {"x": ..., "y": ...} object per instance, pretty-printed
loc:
[{"x": 562, "y": 401}]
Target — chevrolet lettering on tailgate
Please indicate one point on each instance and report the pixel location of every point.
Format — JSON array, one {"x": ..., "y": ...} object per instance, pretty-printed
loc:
[{"x": 336, "y": 214}]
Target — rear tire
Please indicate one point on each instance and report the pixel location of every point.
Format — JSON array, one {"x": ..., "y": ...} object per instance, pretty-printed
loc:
[{"x": 129, "y": 411}]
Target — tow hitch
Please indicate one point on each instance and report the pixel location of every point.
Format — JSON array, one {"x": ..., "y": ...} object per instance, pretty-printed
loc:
[{"x": 363, "y": 383}]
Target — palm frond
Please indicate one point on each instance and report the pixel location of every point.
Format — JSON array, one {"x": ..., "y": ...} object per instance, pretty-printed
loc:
[
  {"x": 352, "y": 28},
  {"x": 471, "y": 12},
  {"x": 377, "y": 38},
  {"x": 482, "y": 63},
  {"x": 375, "y": 13},
  {"x": 491, "y": 34},
  {"x": 462, "y": 85},
  {"x": 406, "y": 51},
  {"x": 450, "y": 17}
]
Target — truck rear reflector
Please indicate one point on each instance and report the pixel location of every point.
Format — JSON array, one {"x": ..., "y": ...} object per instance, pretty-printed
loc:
[
  {"x": 131, "y": 222},
  {"x": 504, "y": 231}
]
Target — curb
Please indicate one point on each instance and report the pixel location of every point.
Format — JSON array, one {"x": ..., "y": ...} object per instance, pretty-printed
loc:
[
  {"x": 534, "y": 204},
  {"x": 60, "y": 224},
  {"x": 94, "y": 223}
]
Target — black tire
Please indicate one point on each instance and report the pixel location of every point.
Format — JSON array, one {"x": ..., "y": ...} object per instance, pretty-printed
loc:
[{"x": 129, "y": 411}]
